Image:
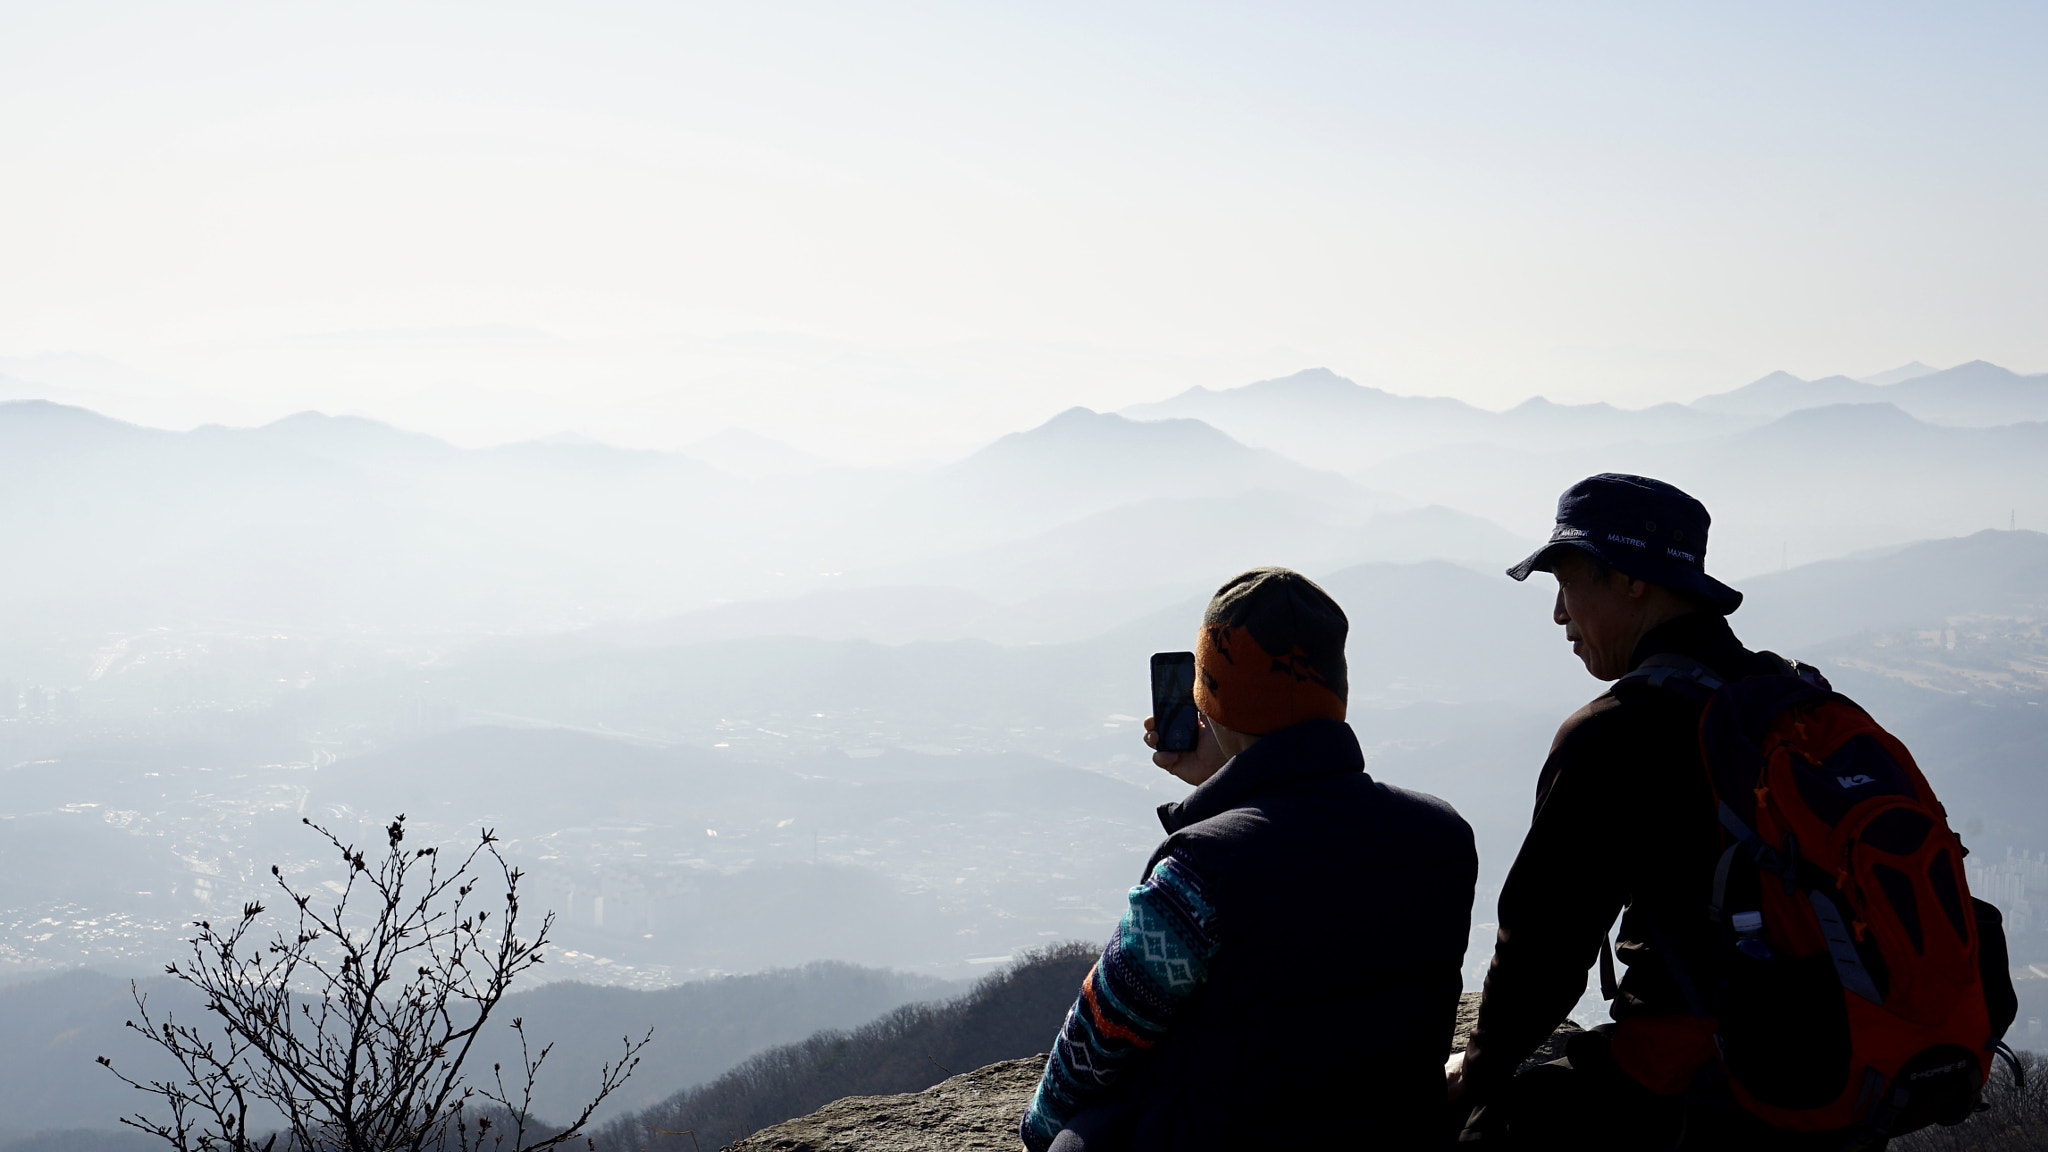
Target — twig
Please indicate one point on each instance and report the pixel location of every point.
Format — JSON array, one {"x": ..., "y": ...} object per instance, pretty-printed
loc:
[{"x": 690, "y": 1132}]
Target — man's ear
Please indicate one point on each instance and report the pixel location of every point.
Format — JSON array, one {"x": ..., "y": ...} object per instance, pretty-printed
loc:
[{"x": 1637, "y": 589}]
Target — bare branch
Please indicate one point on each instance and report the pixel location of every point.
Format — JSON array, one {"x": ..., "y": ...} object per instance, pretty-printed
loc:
[{"x": 351, "y": 1028}]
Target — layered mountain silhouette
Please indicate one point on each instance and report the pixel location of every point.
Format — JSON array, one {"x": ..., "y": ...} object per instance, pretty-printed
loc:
[
  {"x": 1976, "y": 394},
  {"x": 1325, "y": 419},
  {"x": 354, "y": 524},
  {"x": 1156, "y": 543},
  {"x": 1081, "y": 463},
  {"x": 1903, "y": 372},
  {"x": 1918, "y": 586},
  {"x": 1817, "y": 483},
  {"x": 1322, "y": 418}
]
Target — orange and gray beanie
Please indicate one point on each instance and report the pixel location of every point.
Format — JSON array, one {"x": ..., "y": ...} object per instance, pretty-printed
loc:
[{"x": 1271, "y": 653}]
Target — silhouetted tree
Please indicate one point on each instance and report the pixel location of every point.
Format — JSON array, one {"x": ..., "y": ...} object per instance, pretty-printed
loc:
[{"x": 352, "y": 1030}]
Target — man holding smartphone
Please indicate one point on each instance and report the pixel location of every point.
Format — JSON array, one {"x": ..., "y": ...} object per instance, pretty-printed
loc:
[{"x": 1288, "y": 969}]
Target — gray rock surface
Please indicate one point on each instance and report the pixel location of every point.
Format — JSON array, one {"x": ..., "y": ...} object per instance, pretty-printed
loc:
[
  {"x": 965, "y": 1113},
  {"x": 1468, "y": 1017},
  {"x": 973, "y": 1111}
]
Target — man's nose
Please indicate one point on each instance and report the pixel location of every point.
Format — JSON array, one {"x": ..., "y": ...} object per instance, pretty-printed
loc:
[{"x": 1558, "y": 613}]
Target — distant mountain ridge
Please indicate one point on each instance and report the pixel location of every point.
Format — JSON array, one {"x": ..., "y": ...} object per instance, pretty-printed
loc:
[
  {"x": 1083, "y": 462},
  {"x": 361, "y": 525},
  {"x": 1161, "y": 542},
  {"x": 1318, "y": 416},
  {"x": 1919, "y": 585},
  {"x": 1781, "y": 392},
  {"x": 1903, "y": 372},
  {"x": 1325, "y": 419},
  {"x": 1816, "y": 483},
  {"x": 367, "y": 527},
  {"x": 1976, "y": 394}
]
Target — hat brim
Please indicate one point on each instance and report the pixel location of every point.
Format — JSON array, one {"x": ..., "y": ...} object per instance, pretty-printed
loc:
[{"x": 1675, "y": 576}]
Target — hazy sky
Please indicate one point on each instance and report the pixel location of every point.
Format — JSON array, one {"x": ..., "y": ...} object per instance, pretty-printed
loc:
[{"x": 889, "y": 231}]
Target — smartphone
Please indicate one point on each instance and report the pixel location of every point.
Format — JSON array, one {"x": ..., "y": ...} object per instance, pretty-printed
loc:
[{"x": 1173, "y": 701}]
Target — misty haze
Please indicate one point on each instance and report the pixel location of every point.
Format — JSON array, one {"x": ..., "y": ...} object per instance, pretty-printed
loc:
[{"x": 780, "y": 593}]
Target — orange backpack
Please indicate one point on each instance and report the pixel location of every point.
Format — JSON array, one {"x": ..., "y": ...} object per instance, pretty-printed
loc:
[{"x": 1863, "y": 987}]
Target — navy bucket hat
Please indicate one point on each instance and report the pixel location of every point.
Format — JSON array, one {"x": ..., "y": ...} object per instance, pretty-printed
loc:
[{"x": 1640, "y": 527}]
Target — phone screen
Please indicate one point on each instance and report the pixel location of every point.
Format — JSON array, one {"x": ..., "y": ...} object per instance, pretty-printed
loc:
[{"x": 1173, "y": 700}]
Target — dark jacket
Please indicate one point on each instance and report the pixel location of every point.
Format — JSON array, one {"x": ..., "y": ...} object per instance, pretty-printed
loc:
[
  {"x": 1624, "y": 817},
  {"x": 1343, "y": 907}
]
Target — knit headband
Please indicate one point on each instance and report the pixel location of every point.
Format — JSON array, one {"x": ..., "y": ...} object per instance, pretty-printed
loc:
[{"x": 1271, "y": 653}]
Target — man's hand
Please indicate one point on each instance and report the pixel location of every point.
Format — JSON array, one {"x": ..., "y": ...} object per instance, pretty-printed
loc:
[
  {"x": 1454, "y": 1077},
  {"x": 1191, "y": 767}
]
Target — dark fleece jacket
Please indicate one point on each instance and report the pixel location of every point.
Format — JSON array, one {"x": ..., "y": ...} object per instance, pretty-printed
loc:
[
  {"x": 1624, "y": 818},
  {"x": 1342, "y": 908}
]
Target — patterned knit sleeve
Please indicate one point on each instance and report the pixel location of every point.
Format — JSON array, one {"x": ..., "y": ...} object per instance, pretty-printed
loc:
[{"x": 1154, "y": 965}]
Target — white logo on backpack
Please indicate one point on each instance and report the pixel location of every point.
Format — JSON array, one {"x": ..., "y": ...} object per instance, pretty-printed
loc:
[{"x": 1856, "y": 781}]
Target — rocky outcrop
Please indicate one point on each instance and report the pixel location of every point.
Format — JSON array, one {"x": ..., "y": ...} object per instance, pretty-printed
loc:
[
  {"x": 1468, "y": 1018},
  {"x": 965, "y": 1113},
  {"x": 972, "y": 1111}
]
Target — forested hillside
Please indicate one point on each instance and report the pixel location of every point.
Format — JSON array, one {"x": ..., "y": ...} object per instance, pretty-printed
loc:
[{"x": 1009, "y": 1014}]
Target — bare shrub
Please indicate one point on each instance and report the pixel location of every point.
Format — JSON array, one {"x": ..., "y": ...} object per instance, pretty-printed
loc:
[{"x": 351, "y": 1032}]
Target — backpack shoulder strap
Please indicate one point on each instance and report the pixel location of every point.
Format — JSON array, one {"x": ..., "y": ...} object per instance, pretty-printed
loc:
[
  {"x": 1670, "y": 670},
  {"x": 1804, "y": 671}
]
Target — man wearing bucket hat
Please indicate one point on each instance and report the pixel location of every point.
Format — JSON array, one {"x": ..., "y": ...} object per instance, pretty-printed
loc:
[
  {"x": 1624, "y": 819},
  {"x": 1288, "y": 967}
]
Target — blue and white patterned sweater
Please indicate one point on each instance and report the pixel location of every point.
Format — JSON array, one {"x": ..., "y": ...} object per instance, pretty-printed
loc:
[{"x": 1154, "y": 965}]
